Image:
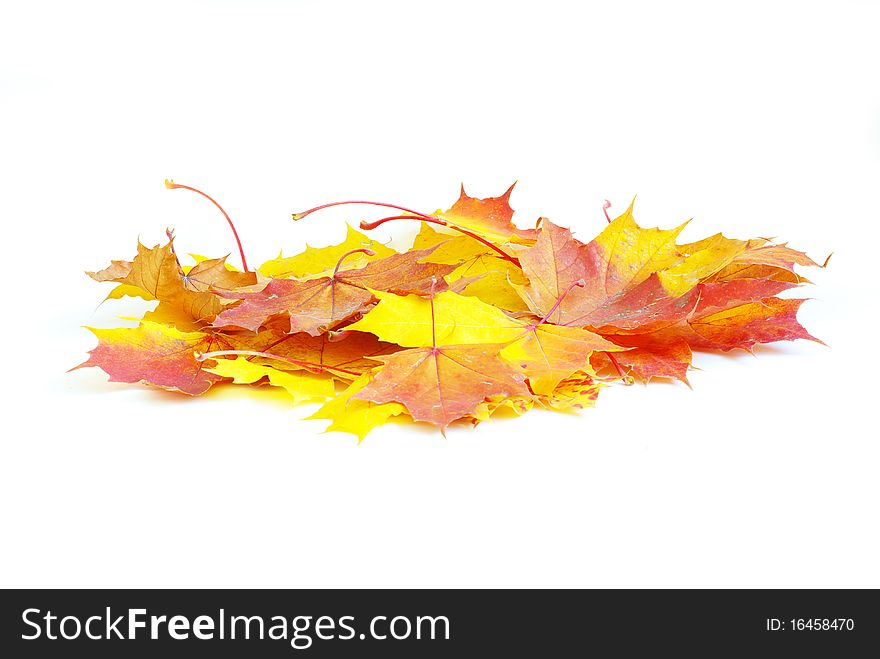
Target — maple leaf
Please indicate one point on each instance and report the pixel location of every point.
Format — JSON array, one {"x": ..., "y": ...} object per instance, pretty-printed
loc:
[
  {"x": 445, "y": 383},
  {"x": 216, "y": 274},
  {"x": 408, "y": 320},
  {"x": 635, "y": 277},
  {"x": 115, "y": 271},
  {"x": 760, "y": 251},
  {"x": 737, "y": 313},
  {"x": 648, "y": 357},
  {"x": 492, "y": 277},
  {"x": 318, "y": 305},
  {"x": 765, "y": 321},
  {"x": 184, "y": 300},
  {"x": 316, "y": 261},
  {"x": 700, "y": 260},
  {"x": 302, "y": 387},
  {"x": 358, "y": 417},
  {"x": 547, "y": 354},
  {"x": 720, "y": 295},
  {"x": 347, "y": 355},
  {"x": 619, "y": 268},
  {"x": 155, "y": 354},
  {"x": 491, "y": 218}
]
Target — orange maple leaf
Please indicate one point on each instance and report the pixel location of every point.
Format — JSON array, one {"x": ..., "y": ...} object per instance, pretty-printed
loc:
[{"x": 440, "y": 384}]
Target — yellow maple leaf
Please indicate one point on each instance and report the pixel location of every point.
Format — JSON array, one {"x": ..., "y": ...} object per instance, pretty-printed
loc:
[
  {"x": 451, "y": 248},
  {"x": 495, "y": 278},
  {"x": 356, "y": 416},
  {"x": 632, "y": 253},
  {"x": 547, "y": 354},
  {"x": 316, "y": 261},
  {"x": 700, "y": 260},
  {"x": 456, "y": 320},
  {"x": 301, "y": 385}
]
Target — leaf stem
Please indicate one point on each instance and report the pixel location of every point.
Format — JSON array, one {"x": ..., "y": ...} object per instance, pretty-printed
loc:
[
  {"x": 580, "y": 283},
  {"x": 361, "y": 250},
  {"x": 368, "y": 226},
  {"x": 171, "y": 185},
  {"x": 170, "y": 233},
  {"x": 299, "y": 216},
  {"x": 433, "y": 319},
  {"x": 605, "y": 208},
  {"x": 267, "y": 355},
  {"x": 616, "y": 364}
]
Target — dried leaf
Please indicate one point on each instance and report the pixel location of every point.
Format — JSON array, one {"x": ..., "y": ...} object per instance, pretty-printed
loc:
[
  {"x": 356, "y": 416},
  {"x": 491, "y": 218},
  {"x": 156, "y": 354},
  {"x": 318, "y": 261},
  {"x": 479, "y": 318},
  {"x": 442, "y": 384},
  {"x": 303, "y": 387}
]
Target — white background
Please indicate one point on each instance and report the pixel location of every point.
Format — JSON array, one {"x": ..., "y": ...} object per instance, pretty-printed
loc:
[{"x": 758, "y": 119}]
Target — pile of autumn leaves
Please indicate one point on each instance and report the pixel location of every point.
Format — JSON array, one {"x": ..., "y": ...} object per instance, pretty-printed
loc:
[{"x": 479, "y": 315}]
